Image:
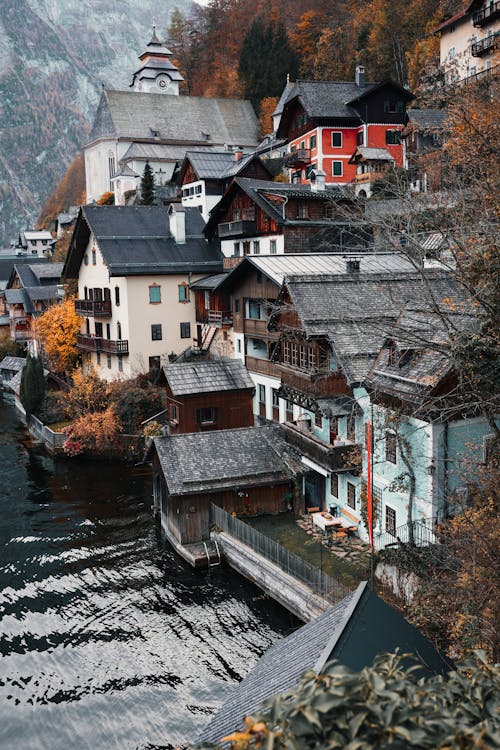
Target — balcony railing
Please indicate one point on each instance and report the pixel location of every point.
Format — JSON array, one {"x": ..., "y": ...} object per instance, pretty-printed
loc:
[
  {"x": 93, "y": 308},
  {"x": 484, "y": 45},
  {"x": 297, "y": 157},
  {"x": 219, "y": 318},
  {"x": 486, "y": 15},
  {"x": 315, "y": 383},
  {"x": 22, "y": 334},
  {"x": 98, "y": 344},
  {"x": 332, "y": 457},
  {"x": 241, "y": 228},
  {"x": 262, "y": 366}
]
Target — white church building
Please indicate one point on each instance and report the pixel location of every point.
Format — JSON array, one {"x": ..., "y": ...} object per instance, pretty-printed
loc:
[{"x": 153, "y": 122}]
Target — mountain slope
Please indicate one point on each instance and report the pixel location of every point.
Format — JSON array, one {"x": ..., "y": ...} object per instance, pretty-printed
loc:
[{"x": 55, "y": 55}]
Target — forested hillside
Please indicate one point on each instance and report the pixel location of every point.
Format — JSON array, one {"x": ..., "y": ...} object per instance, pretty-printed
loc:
[{"x": 246, "y": 48}]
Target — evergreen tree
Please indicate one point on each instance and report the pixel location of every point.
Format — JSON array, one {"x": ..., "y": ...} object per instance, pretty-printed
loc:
[
  {"x": 147, "y": 186},
  {"x": 32, "y": 392},
  {"x": 265, "y": 59}
]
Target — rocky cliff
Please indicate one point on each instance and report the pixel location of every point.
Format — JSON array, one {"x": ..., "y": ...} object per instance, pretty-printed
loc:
[{"x": 55, "y": 56}]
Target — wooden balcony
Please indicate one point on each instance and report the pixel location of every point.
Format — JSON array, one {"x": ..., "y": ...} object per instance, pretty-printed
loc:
[
  {"x": 486, "y": 15},
  {"x": 299, "y": 157},
  {"x": 313, "y": 383},
  {"x": 97, "y": 344},
  {"x": 252, "y": 327},
  {"x": 478, "y": 49},
  {"x": 366, "y": 177},
  {"x": 241, "y": 228},
  {"x": 219, "y": 318},
  {"x": 331, "y": 457},
  {"x": 262, "y": 366},
  {"x": 93, "y": 308}
]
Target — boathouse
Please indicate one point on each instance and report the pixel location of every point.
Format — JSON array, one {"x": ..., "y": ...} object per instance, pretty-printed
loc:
[{"x": 247, "y": 471}]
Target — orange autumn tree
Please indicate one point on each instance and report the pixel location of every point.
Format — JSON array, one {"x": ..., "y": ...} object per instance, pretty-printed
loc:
[
  {"x": 57, "y": 329},
  {"x": 96, "y": 424},
  {"x": 92, "y": 431}
]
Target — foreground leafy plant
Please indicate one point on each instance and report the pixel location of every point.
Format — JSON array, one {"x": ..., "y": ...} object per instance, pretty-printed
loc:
[{"x": 389, "y": 705}]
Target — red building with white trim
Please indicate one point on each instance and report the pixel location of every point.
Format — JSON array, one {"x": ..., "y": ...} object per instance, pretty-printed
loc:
[{"x": 325, "y": 121}]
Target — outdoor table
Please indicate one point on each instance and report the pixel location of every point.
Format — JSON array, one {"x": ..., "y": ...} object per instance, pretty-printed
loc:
[{"x": 324, "y": 523}]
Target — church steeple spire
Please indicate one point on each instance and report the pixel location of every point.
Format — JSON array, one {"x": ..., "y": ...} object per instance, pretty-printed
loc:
[{"x": 158, "y": 74}]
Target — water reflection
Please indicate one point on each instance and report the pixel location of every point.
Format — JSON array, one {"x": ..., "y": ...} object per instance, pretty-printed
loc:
[{"x": 108, "y": 640}]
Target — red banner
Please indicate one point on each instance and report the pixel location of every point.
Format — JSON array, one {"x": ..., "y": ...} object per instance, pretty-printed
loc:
[{"x": 369, "y": 497}]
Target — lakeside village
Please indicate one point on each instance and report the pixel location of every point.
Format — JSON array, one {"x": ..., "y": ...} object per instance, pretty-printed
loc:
[{"x": 293, "y": 333}]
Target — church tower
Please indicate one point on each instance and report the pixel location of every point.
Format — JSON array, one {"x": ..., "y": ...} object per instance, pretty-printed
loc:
[{"x": 158, "y": 74}]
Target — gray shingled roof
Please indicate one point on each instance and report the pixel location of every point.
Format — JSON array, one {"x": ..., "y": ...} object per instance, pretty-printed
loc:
[
  {"x": 279, "y": 669},
  {"x": 355, "y": 312},
  {"x": 136, "y": 240},
  {"x": 427, "y": 118},
  {"x": 158, "y": 151},
  {"x": 209, "y": 282},
  {"x": 369, "y": 154},
  {"x": 207, "y": 461},
  {"x": 132, "y": 115},
  {"x": 188, "y": 378},
  {"x": 323, "y": 99},
  {"x": 423, "y": 353},
  {"x": 213, "y": 165},
  {"x": 276, "y": 267},
  {"x": 12, "y": 363}
]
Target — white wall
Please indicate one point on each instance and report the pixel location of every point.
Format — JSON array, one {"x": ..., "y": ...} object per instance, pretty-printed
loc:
[{"x": 227, "y": 246}]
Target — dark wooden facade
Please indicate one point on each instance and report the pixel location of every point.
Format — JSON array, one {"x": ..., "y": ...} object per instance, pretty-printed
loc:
[
  {"x": 188, "y": 517},
  {"x": 203, "y": 412}
]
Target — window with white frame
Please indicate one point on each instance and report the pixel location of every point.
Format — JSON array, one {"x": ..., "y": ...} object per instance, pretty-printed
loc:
[
  {"x": 337, "y": 169},
  {"x": 272, "y": 247},
  {"x": 337, "y": 139}
]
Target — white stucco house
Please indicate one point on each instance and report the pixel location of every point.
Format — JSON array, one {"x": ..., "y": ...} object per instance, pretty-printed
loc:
[{"x": 133, "y": 265}]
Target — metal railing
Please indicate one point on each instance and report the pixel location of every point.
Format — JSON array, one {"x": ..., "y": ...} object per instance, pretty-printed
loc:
[
  {"x": 99, "y": 344},
  {"x": 92, "y": 307},
  {"x": 316, "y": 580},
  {"x": 424, "y": 534},
  {"x": 484, "y": 45},
  {"x": 487, "y": 15}
]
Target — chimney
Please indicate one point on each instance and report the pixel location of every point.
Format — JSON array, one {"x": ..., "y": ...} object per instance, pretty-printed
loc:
[
  {"x": 352, "y": 265},
  {"x": 238, "y": 153},
  {"x": 317, "y": 179},
  {"x": 360, "y": 76},
  {"x": 177, "y": 221}
]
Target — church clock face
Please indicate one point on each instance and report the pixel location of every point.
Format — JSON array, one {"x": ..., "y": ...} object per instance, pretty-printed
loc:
[{"x": 162, "y": 83}]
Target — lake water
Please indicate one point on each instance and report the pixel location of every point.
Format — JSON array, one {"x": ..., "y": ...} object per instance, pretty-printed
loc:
[{"x": 108, "y": 640}]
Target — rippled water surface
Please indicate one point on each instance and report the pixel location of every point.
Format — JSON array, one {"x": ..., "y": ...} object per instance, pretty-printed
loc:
[{"x": 107, "y": 639}]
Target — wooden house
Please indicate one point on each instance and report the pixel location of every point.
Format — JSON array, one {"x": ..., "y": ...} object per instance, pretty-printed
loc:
[
  {"x": 207, "y": 395},
  {"x": 32, "y": 288},
  {"x": 259, "y": 217},
  {"x": 247, "y": 471},
  {"x": 247, "y": 295},
  {"x": 331, "y": 331}
]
